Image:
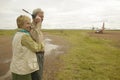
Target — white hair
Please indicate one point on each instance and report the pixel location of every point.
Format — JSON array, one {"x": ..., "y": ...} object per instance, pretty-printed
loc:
[{"x": 36, "y": 11}]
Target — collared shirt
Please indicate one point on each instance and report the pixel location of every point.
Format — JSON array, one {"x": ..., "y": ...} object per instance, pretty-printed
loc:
[{"x": 28, "y": 42}]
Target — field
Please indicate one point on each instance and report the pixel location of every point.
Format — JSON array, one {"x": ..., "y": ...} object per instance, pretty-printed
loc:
[{"x": 87, "y": 56}]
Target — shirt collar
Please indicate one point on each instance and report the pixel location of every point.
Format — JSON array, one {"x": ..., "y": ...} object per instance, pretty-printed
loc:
[{"x": 23, "y": 30}]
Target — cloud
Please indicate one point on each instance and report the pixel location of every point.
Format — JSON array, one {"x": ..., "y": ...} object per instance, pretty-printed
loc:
[{"x": 63, "y": 13}]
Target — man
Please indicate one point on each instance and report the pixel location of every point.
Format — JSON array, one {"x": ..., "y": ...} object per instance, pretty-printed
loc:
[{"x": 37, "y": 35}]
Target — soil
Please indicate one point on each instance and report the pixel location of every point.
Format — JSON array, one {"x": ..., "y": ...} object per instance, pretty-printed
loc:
[
  {"x": 5, "y": 54},
  {"x": 112, "y": 35},
  {"x": 50, "y": 62}
]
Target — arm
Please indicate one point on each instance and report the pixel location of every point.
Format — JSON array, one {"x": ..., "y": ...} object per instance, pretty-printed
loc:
[
  {"x": 28, "y": 42},
  {"x": 36, "y": 34}
]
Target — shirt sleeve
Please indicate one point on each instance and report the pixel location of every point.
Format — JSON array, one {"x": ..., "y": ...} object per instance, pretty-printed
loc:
[{"x": 28, "y": 42}]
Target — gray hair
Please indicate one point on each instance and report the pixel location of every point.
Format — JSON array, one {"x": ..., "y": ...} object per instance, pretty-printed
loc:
[{"x": 36, "y": 11}]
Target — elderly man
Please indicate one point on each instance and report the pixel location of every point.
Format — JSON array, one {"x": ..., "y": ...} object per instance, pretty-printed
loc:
[{"x": 37, "y": 35}]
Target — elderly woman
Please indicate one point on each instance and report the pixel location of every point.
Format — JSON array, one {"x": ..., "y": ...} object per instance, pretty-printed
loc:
[
  {"x": 24, "y": 60},
  {"x": 37, "y": 35}
]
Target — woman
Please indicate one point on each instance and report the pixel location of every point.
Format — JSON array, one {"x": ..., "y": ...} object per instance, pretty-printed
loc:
[{"x": 24, "y": 60}]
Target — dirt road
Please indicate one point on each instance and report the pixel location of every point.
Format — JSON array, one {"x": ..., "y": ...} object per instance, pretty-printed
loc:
[{"x": 50, "y": 63}]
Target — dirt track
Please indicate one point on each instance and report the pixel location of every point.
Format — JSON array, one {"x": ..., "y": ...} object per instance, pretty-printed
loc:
[
  {"x": 5, "y": 54},
  {"x": 50, "y": 62}
]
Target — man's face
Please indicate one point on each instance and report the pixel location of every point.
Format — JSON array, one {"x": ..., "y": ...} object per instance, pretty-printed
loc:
[
  {"x": 41, "y": 15},
  {"x": 27, "y": 25}
]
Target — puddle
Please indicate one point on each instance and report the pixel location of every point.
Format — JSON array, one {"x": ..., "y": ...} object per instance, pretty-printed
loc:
[
  {"x": 5, "y": 61},
  {"x": 49, "y": 47}
]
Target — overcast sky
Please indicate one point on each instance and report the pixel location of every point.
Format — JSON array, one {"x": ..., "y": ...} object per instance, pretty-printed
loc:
[{"x": 64, "y": 14}]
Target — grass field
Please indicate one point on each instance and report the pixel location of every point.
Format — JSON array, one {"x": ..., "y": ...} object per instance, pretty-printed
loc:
[
  {"x": 7, "y": 32},
  {"x": 89, "y": 57}
]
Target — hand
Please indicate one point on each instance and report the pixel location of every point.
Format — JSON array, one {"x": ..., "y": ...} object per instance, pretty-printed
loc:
[{"x": 38, "y": 19}]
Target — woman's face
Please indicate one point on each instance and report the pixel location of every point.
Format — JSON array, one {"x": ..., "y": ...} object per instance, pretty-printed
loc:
[{"x": 27, "y": 25}]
